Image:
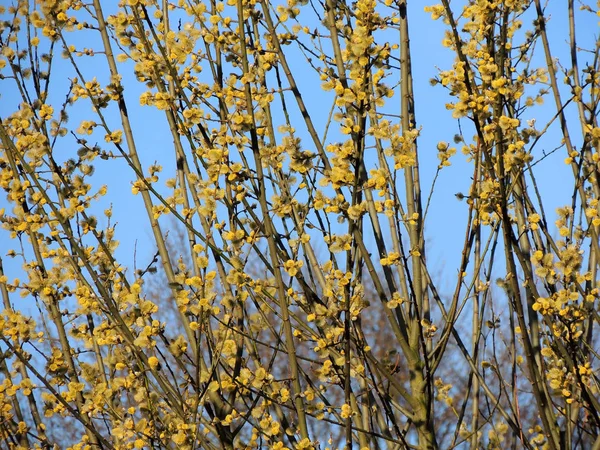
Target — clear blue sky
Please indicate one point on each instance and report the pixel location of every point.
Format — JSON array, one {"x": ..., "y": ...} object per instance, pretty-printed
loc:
[{"x": 446, "y": 221}]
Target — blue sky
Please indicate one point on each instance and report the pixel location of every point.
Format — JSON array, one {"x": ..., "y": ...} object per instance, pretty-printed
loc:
[{"x": 446, "y": 220}]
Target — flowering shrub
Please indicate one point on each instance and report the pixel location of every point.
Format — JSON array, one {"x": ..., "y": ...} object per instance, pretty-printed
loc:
[{"x": 284, "y": 295}]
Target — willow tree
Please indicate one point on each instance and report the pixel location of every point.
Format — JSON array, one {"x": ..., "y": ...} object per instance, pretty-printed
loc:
[{"x": 292, "y": 169}]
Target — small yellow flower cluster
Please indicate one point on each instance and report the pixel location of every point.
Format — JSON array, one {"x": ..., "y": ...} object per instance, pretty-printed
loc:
[
  {"x": 402, "y": 146},
  {"x": 442, "y": 391},
  {"x": 116, "y": 137},
  {"x": 90, "y": 89},
  {"x": 445, "y": 153},
  {"x": 489, "y": 195},
  {"x": 338, "y": 242},
  {"x": 392, "y": 258},
  {"x": 292, "y": 267},
  {"x": 342, "y": 173},
  {"x": 496, "y": 435},
  {"x": 592, "y": 213},
  {"x": 17, "y": 327},
  {"x": 544, "y": 265}
]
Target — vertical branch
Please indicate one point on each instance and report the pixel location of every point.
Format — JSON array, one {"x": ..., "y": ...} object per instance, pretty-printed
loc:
[
  {"x": 270, "y": 232},
  {"x": 421, "y": 382}
]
